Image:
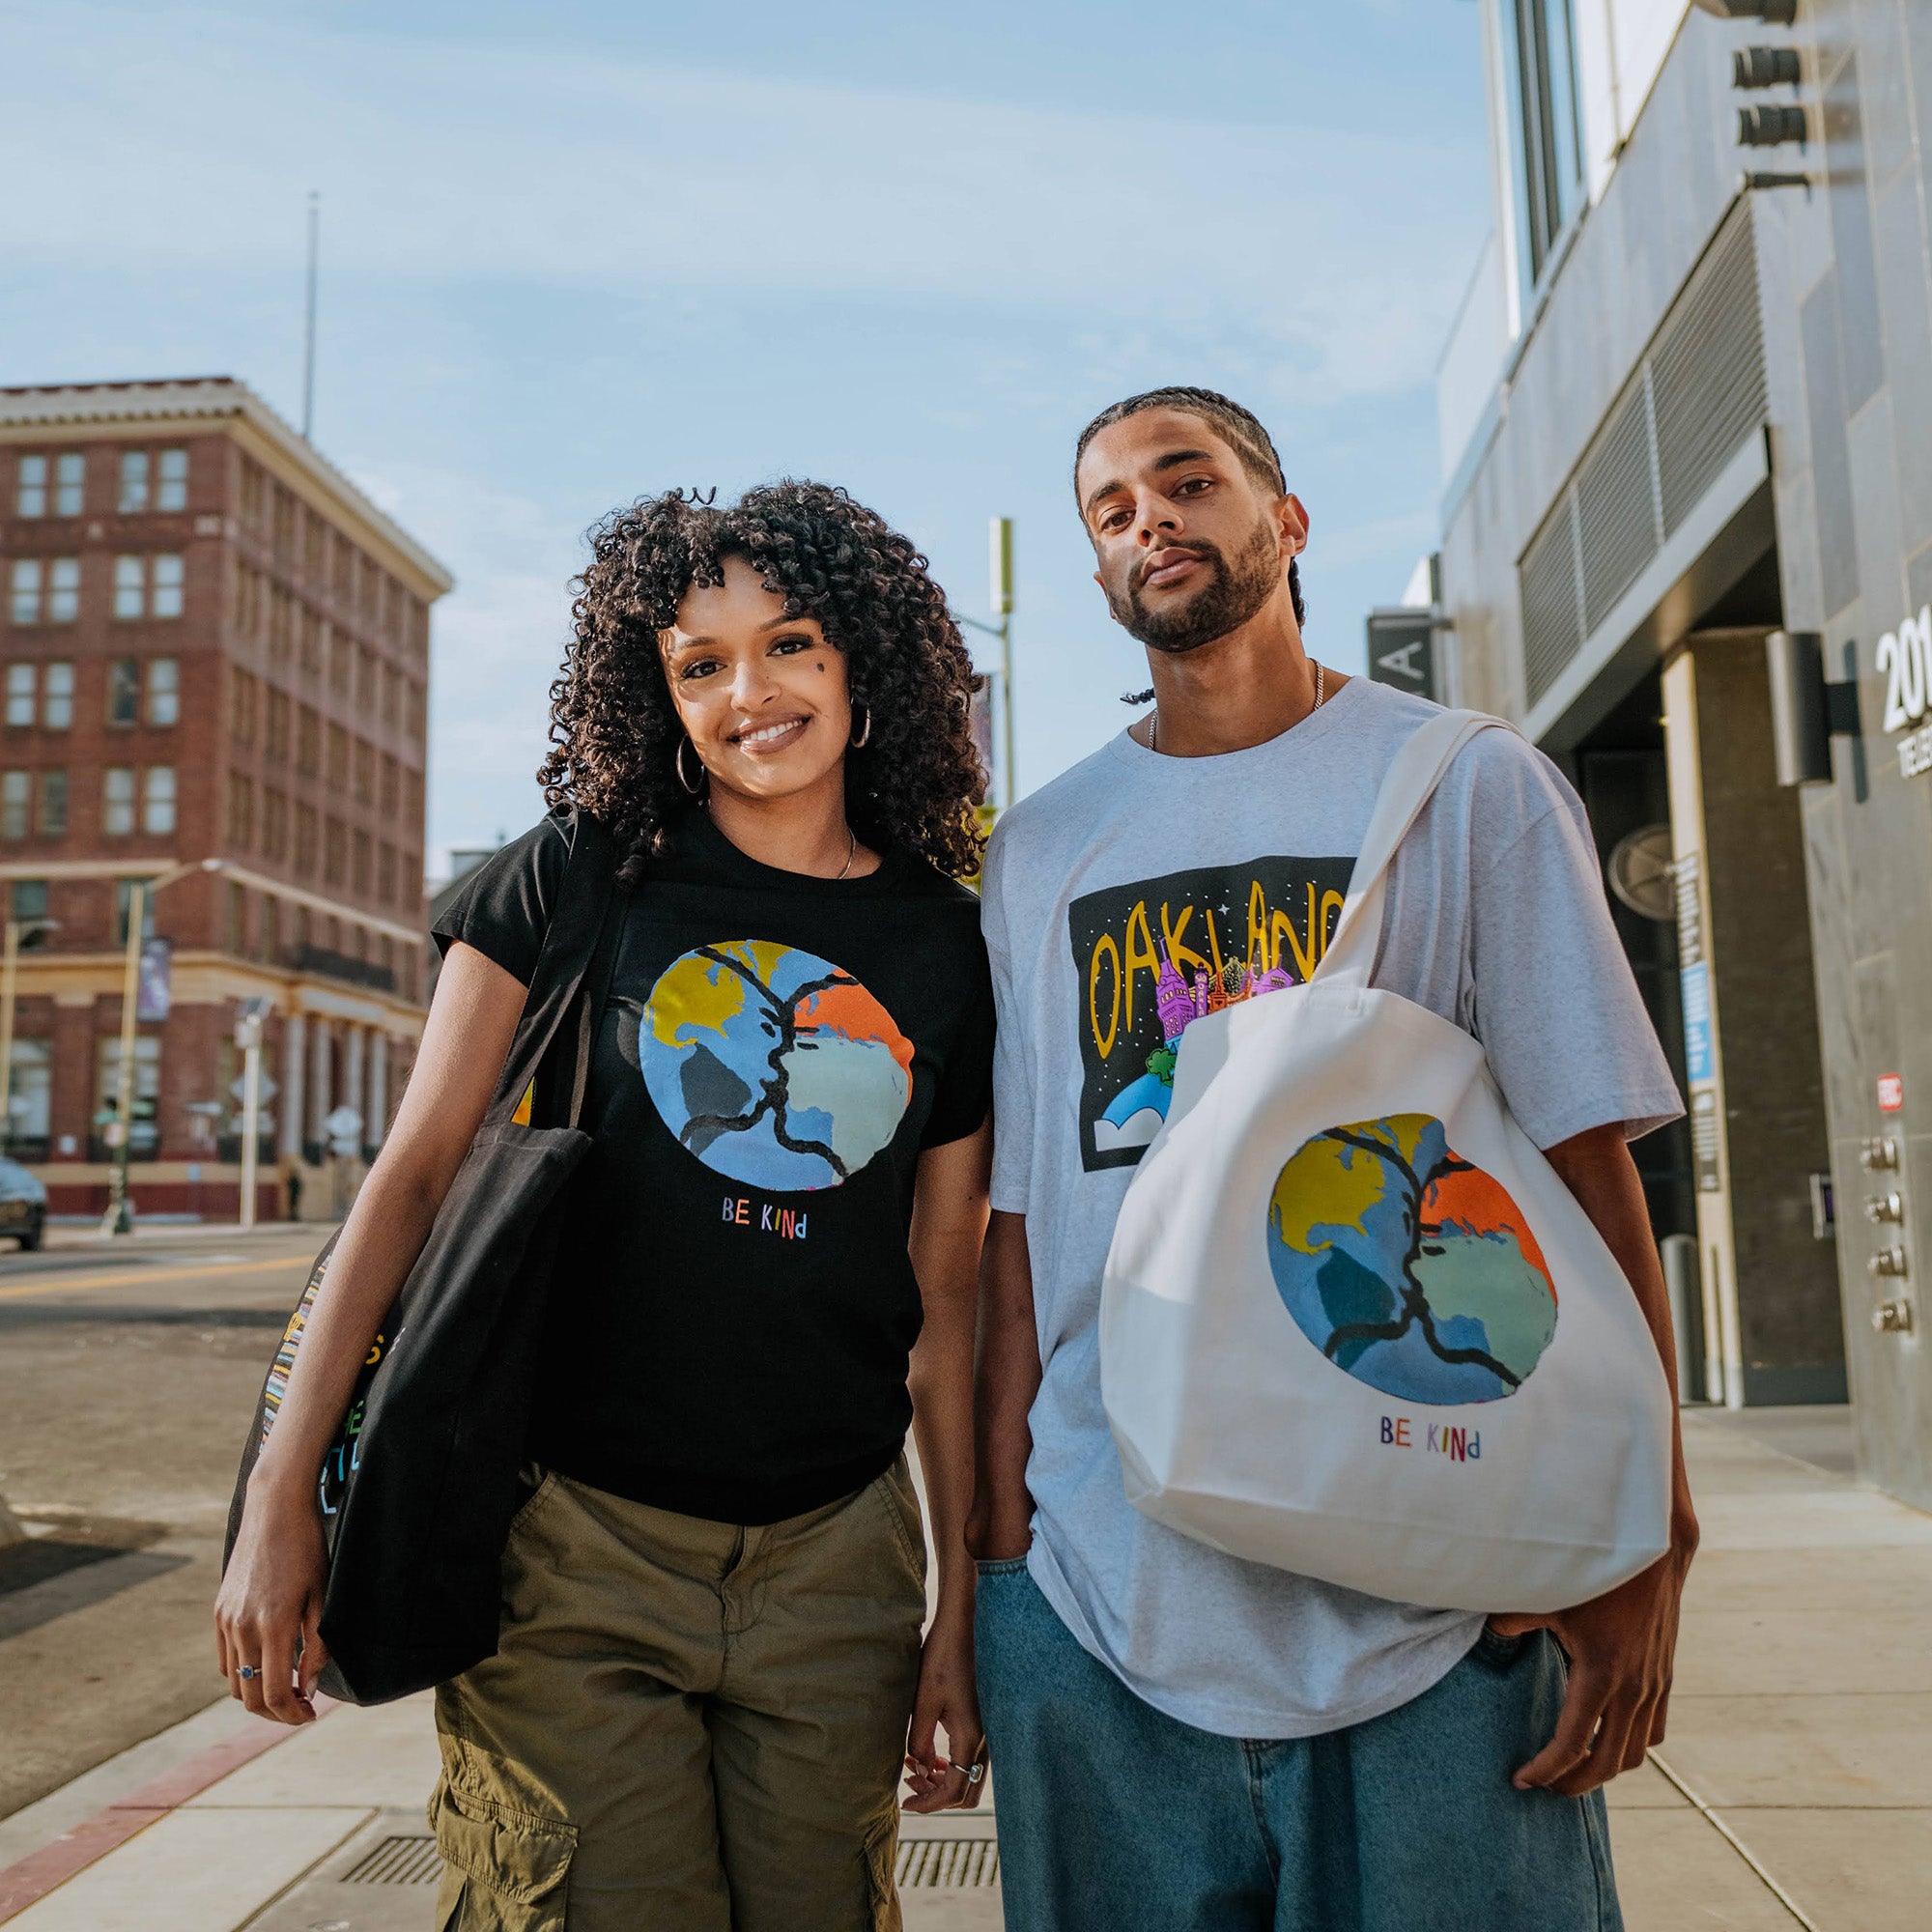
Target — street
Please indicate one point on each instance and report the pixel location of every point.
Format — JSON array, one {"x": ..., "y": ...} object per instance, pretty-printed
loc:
[
  {"x": 125, "y": 1376},
  {"x": 1791, "y": 1790}
]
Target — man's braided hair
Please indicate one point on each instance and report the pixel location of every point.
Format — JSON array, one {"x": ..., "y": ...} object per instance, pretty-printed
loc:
[
  {"x": 1238, "y": 428},
  {"x": 614, "y": 734}
]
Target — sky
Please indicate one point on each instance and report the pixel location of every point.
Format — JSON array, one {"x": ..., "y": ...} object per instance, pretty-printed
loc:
[{"x": 580, "y": 252}]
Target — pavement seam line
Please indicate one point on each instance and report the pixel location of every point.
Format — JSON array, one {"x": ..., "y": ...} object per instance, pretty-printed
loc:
[
  {"x": 30, "y": 1878},
  {"x": 1737, "y": 1844},
  {"x": 55, "y": 1284}
]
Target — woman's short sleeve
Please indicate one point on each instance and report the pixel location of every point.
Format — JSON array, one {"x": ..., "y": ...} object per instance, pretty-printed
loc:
[
  {"x": 503, "y": 907},
  {"x": 966, "y": 1083}
]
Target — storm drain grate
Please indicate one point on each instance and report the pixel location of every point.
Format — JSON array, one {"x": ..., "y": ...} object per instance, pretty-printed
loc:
[
  {"x": 926, "y": 1863},
  {"x": 411, "y": 1861}
]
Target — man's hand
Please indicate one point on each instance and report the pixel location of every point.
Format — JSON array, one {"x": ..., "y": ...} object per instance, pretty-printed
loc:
[{"x": 1622, "y": 1646}]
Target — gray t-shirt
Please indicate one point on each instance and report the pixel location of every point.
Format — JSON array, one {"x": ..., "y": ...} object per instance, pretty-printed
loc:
[{"x": 1105, "y": 895}]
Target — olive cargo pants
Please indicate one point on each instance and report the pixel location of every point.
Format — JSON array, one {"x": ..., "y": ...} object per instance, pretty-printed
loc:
[{"x": 691, "y": 1725}]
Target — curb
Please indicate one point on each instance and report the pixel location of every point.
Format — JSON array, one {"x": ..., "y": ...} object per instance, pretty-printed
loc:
[{"x": 39, "y": 1872}]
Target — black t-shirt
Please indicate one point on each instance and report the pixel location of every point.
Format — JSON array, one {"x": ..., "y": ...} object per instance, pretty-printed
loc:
[{"x": 734, "y": 1305}]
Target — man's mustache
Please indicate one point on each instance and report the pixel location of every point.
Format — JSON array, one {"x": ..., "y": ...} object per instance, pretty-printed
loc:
[{"x": 1203, "y": 553}]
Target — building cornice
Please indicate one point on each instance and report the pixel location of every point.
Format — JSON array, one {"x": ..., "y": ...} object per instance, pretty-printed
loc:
[{"x": 89, "y": 410}]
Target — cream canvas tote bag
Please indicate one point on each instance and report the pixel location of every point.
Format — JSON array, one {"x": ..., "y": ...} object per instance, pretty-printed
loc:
[{"x": 1352, "y": 1324}]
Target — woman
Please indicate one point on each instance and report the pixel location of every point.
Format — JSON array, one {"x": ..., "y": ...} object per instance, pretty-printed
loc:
[{"x": 710, "y": 1656}]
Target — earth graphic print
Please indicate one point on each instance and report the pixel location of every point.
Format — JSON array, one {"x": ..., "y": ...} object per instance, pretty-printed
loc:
[
  {"x": 772, "y": 1066},
  {"x": 1408, "y": 1267}
]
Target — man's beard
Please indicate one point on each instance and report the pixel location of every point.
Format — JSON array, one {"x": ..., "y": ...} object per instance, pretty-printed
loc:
[{"x": 1234, "y": 594}]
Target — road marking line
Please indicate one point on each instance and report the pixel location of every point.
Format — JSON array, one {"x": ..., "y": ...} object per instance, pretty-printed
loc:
[{"x": 56, "y": 1284}]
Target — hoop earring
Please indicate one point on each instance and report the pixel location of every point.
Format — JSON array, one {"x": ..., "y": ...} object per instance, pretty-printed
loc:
[
  {"x": 695, "y": 787},
  {"x": 865, "y": 730}
]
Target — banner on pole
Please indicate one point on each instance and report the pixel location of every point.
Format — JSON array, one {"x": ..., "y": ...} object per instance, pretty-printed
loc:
[{"x": 155, "y": 986}]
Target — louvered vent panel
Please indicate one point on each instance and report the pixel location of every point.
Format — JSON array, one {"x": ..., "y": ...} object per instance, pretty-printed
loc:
[
  {"x": 1552, "y": 621},
  {"x": 1707, "y": 370},
  {"x": 1616, "y": 506}
]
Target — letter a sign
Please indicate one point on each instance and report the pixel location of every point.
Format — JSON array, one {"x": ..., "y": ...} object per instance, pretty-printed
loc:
[{"x": 1402, "y": 650}]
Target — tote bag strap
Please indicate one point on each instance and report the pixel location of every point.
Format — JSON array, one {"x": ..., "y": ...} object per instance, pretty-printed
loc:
[
  {"x": 570, "y": 943},
  {"x": 1408, "y": 785}
]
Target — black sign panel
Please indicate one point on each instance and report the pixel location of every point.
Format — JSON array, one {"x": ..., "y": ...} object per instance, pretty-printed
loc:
[{"x": 1402, "y": 650}]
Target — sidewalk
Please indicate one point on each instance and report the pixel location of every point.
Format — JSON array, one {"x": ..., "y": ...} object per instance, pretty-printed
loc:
[{"x": 1795, "y": 1789}]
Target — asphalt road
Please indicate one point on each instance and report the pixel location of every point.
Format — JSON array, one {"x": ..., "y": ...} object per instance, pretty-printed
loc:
[{"x": 128, "y": 1376}]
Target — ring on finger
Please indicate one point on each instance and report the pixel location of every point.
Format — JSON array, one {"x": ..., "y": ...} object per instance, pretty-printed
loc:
[{"x": 246, "y": 1671}]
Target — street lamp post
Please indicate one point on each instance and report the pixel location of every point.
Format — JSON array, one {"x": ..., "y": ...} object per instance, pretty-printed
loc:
[
  {"x": 118, "y": 1219},
  {"x": 1001, "y": 559},
  {"x": 17, "y": 931}
]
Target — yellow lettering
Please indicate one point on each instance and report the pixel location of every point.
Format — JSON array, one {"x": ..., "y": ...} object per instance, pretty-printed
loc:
[
  {"x": 1304, "y": 960},
  {"x": 1104, "y": 945},
  {"x": 1137, "y": 957},
  {"x": 1332, "y": 902},
  {"x": 1182, "y": 954},
  {"x": 1213, "y": 941},
  {"x": 1257, "y": 927}
]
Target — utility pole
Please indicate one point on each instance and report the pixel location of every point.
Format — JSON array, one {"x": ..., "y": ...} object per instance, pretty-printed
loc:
[
  {"x": 308, "y": 332},
  {"x": 1001, "y": 548},
  {"x": 18, "y": 932},
  {"x": 248, "y": 1037},
  {"x": 118, "y": 1219}
]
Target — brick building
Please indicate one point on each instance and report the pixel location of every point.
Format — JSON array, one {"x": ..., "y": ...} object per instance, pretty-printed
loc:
[{"x": 216, "y": 653}]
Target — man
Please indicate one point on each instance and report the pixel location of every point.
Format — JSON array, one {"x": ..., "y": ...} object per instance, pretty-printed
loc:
[{"x": 1184, "y": 1740}]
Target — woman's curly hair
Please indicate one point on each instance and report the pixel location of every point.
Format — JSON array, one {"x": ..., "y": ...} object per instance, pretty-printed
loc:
[{"x": 615, "y": 735}]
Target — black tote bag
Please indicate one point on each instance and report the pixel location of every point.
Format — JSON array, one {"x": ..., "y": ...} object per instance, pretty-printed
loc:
[{"x": 419, "y": 1487}]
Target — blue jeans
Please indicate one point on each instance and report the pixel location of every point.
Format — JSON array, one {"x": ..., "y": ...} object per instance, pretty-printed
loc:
[{"x": 1113, "y": 1817}]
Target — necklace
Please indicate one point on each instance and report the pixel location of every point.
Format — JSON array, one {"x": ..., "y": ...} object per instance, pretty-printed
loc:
[
  {"x": 851, "y": 853},
  {"x": 1154, "y": 721}
]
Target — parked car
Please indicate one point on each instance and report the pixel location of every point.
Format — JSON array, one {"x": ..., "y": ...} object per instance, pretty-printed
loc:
[{"x": 23, "y": 1206}]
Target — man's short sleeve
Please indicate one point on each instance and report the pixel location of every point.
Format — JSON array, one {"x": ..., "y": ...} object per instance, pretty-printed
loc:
[
  {"x": 1012, "y": 1048},
  {"x": 1556, "y": 1006},
  {"x": 505, "y": 906}
]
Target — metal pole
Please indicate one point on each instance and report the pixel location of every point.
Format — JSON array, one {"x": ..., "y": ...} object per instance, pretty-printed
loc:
[
  {"x": 118, "y": 1220},
  {"x": 308, "y": 333},
  {"x": 251, "y": 1120},
  {"x": 10, "y": 956},
  {"x": 1002, "y": 534}
]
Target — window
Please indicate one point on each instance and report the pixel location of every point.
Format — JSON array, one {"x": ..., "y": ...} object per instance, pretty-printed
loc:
[
  {"x": 131, "y": 596},
  {"x": 365, "y": 772},
  {"x": 63, "y": 590},
  {"x": 308, "y": 741},
  {"x": 169, "y": 576},
  {"x": 1541, "y": 52},
  {"x": 386, "y": 873},
  {"x": 123, "y": 897},
  {"x": 134, "y": 481},
  {"x": 392, "y": 695},
  {"x": 314, "y": 640},
  {"x": 57, "y": 697},
  {"x": 30, "y": 487},
  {"x": 157, "y": 801},
  {"x": 143, "y": 1137},
  {"x": 284, "y": 516},
  {"x": 30, "y": 1094},
  {"x": 70, "y": 483},
  {"x": 237, "y": 918},
  {"x": 280, "y": 617},
  {"x": 25, "y": 606},
  {"x": 20, "y": 682},
  {"x": 53, "y": 805},
  {"x": 313, "y": 531},
  {"x": 415, "y": 798},
  {"x": 334, "y": 852},
  {"x": 341, "y": 655},
  {"x": 17, "y": 798},
  {"x": 391, "y": 786},
  {"x": 275, "y": 824},
  {"x": 344, "y": 566},
  {"x": 365, "y": 680},
  {"x": 338, "y": 757},
  {"x": 241, "y": 693},
  {"x": 240, "y": 812},
  {"x": 117, "y": 801},
  {"x": 305, "y": 839},
  {"x": 172, "y": 493},
  {"x": 163, "y": 691},
  {"x": 28, "y": 900},
  {"x": 252, "y": 480},
  {"x": 124, "y": 691},
  {"x": 359, "y": 880},
  {"x": 416, "y": 713},
  {"x": 278, "y": 724}
]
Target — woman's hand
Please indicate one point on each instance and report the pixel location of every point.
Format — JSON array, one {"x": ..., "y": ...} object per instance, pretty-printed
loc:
[
  {"x": 270, "y": 1600},
  {"x": 946, "y": 1697}
]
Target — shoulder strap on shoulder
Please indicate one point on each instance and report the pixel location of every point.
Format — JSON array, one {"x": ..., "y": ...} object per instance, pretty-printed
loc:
[
  {"x": 569, "y": 943},
  {"x": 1408, "y": 785}
]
